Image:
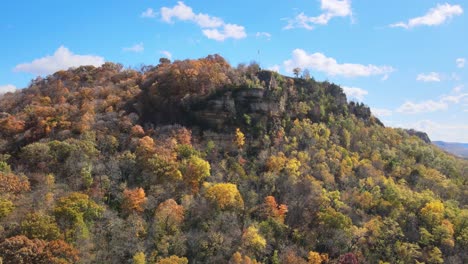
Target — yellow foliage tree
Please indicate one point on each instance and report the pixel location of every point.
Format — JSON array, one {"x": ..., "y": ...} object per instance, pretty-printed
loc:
[
  {"x": 173, "y": 260},
  {"x": 252, "y": 240},
  {"x": 139, "y": 258},
  {"x": 237, "y": 258},
  {"x": 225, "y": 196},
  {"x": 316, "y": 258},
  {"x": 195, "y": 171},
  {"x": 276, "y": 163},
  {"x": 240, "y": 138},
  {"x": 432, "y": 213}
]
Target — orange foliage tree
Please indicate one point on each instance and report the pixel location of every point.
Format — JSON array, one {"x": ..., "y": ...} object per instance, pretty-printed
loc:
[
  {"x": 11, "y": 183},
  {"x": 134, "y": 200},
  {"x": 274, "y": 210},
  {"x": 20, "y": 249},
  {"x": 169, "y": 215}
]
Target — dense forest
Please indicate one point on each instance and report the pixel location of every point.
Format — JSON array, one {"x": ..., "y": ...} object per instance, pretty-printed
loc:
[{"x": 197, "y": 161}]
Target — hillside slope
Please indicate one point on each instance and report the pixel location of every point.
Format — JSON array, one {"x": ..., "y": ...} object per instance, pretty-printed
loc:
[{"x": 197, "y": 161}]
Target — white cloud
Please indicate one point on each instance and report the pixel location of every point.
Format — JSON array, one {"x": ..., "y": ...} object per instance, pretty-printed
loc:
[
  {"x": 460, "y": 62},
  {"x": 263, "y": 35},
  {"x": 62, "y": 59},
  {"x": 228, "y": 31},
  {"x": 319, "y": 62},
  {"x": 435, "y": 16},
  {"x": 148, "y": 13},
  {"x": 458, "y": 89},
  {"x": 330, "y": 8},
  {"x": 213, "y": 27},
  {"x": 443, "y": 103},
  {"x": 423, "y": 107},
  {"x": 180, "y": 11},
  {"x": 355, "y": 93},
  {"x": 135, "y": 48},
  {"x": 381, "y": 112},
  {"x": 431, "y": 77},
  {"x": 275, "y": 68},
  {"x": 206, "y": 21},
  {"x": 455, "y": 99},
  {"x": 7, "y": 88},
  {"x": 166, "y": 54},
  {"x": 439, "y": 131}
]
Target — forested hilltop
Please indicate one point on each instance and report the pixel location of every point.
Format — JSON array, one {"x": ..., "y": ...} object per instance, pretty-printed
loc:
[{"x": 197, "y": 161}]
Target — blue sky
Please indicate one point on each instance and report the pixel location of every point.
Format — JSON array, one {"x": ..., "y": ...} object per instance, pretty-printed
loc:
[{"x": 405, "y": 59}]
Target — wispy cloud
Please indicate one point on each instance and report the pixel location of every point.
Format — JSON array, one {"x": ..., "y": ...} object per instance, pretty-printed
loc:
[
  {"x": 330, "y": 8},
  {"x": 135, "y": 48},
  {"x": 381, "y": 112},
  {"x": 454, "y": 99},
  {"x": 62, "y": 59},
  {"x": 355, "y": 92},
  {"x": 434, "y": 17},
  {"x": 7, "y": 88},
  {"x": 442, "y": 103},
  {"x": 212, "y": 27},
  {"x": 263, "y": 35},
  {"x": 430, "y": 77},
  {"x": 458, "y": 89},
  {"x": 320, "y": 62},
  {"x": 148, "y": 13},
  {"x": 460, "y": 62},
  {"x": 410, "y": 107},
  {"x": 166, "y": 54},
  {"x": 275, "y": 68}
]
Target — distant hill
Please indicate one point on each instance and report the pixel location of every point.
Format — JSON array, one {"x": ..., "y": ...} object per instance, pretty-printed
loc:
[{"x": 459, "y": 149}]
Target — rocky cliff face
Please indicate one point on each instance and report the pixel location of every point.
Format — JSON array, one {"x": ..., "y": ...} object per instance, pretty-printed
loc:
[
  {"x": 419, "y": 134},
  {"x": 244, "y": 105}
]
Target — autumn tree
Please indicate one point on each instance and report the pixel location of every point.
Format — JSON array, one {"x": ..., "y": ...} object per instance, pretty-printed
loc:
[
  {"x": 316, "y": 258},
  {"x": 6, "y": 207},
  {"x": 240, "y": 138},
  {"x": 169, "y": 216},
  {"x": 20, "y": 249},
  {"x": 432, "y": 213},
  {"x": 289, "y": 256},
  {"x": 348, "y": 258},
  {"x": 253, "y": 241},
  {"x": 139, "y": 258},
  {"x": 274, "y": 210},
  {"x": 133, "y": 200},
  {"x": 173, "y": 260},
  {"x": 237, "y": 258},
  {"x": 194, "y": 171},
  {"x": 60, "y": 252},
  {"x": 168, "y": 220},
  {"x": 74, "y": 213},
  {"x": 41, "y": 226},
  {"x": 225, "y": 195},
  {"x": 13, "y": 184},
  {"x": 183, "y": 136}
]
